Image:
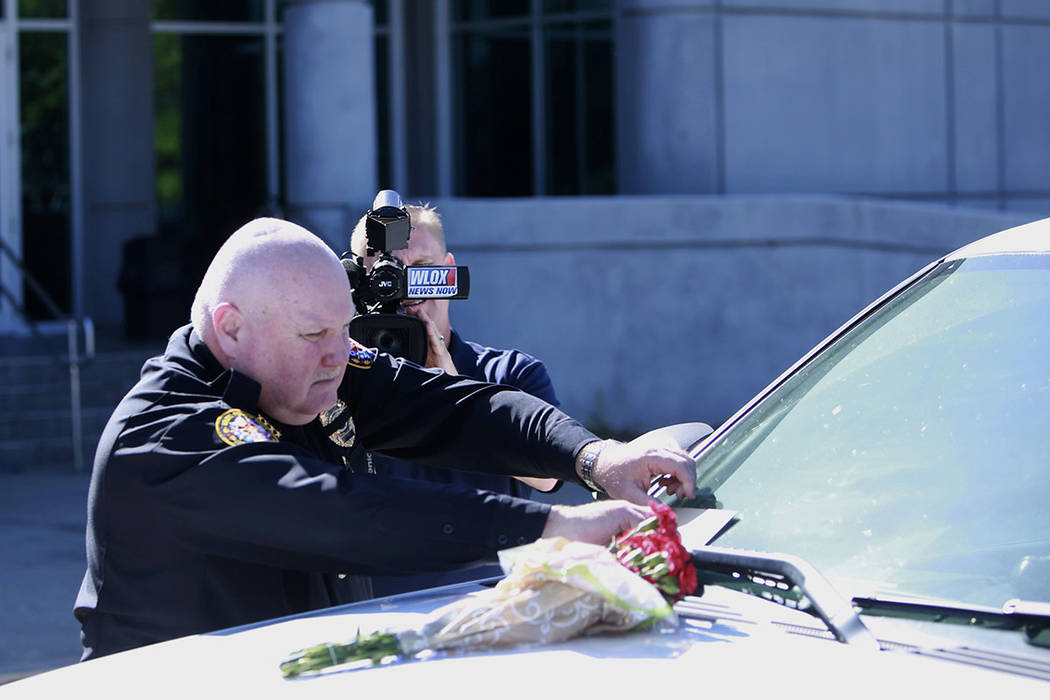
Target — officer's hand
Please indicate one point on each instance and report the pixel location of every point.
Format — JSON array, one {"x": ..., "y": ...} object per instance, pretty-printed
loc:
[
  {"x": 626, "y": 470},
  {"x": 596, "y": 523},
  {"x": 437, "y": 351}
]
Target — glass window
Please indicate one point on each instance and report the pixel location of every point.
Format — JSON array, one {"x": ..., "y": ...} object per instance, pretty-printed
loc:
[
  {"x": 910, "y": 456},
  {"x": 494, "y": 113},
  {"x": 209, "y": 10},
  {"x": 496, "y": 72},
  {"x": 44, "y": 107},
  {"x": 210, "y": 139},
  {"x": 554, "y": 6},
  {"x": 474, "y": 10},
  {"x": 381, "y": 12},
  {"x": 42, "y": 9},
  {"x": 579, "y": 99}
]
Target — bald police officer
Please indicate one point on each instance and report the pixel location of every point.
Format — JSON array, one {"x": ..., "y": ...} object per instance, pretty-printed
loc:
[{"x": 220, "y": 496}]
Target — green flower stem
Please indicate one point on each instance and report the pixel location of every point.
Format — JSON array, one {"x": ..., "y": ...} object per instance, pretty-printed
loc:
[
  {"x": 375, "y": 646},
  {"x": 631, "y": 557},
  {"x": 655, "y": 558},
  {"x": 656, "y": 572},
  {"x": 668, "y": 585},
  {"x": 648, "y": 525}
]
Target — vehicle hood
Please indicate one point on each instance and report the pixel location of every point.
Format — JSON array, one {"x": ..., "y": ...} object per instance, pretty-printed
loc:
[{"x": 728, "y": 644}]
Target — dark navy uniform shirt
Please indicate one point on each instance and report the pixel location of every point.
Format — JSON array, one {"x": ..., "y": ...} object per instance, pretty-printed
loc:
[
  {"x": 511, "y": 367},
  {"x": 204, "y": 513}
]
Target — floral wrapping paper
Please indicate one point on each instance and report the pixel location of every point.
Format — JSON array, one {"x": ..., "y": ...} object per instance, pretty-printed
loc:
[{"x": 554, "y": 590}]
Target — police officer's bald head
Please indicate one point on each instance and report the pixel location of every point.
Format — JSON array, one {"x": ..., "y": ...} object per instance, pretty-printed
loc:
[
  {"x": 275, "y": 306},
  {"x": 260, "y": 265}
]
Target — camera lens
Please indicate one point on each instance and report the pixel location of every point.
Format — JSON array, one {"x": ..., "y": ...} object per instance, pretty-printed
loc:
[
  {"x": 389, "y": 342},
  {"x": 387, "y": 280}
]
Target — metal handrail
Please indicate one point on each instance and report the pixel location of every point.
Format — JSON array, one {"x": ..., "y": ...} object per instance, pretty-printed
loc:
[{"x": 75, "y": 358}]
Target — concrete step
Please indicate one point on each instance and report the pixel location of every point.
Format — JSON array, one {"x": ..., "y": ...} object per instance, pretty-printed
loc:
[
  {"x": 36, "y": 412},
  {"x": 36, "y": 454},
  {"x": 37, "y": 384},
  {"x": 56, "y": 397},
  {"x": 44, "y": 439},
  {"x": 50, "y": 423}
]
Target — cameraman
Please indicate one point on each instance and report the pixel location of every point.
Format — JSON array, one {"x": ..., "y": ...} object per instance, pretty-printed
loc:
[{"x": 449, "y": 351}]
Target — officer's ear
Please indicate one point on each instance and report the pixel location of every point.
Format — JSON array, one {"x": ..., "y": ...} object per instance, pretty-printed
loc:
[
  {"x": 229, "y": 327},
  {"x": 450, "y": 260}
]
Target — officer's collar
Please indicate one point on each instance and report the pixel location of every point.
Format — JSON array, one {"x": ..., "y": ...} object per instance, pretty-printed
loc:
[
  {"x": 202, "y": 353},
  {"x": 241, "y": 390},
  {"x": 238, "y": 390}
]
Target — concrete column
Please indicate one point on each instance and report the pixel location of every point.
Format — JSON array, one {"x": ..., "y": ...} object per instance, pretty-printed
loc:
[
  {"x": 116, "y": 73},
  {"x": 667, "y": 97},
  {"x": 329, "y": 115}
]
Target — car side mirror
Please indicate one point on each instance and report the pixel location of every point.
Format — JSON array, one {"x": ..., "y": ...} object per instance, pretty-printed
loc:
[{"x": 685, "y": 436}]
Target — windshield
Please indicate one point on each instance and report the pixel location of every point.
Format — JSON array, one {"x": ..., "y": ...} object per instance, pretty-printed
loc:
[{"x": 912, "y": 456}]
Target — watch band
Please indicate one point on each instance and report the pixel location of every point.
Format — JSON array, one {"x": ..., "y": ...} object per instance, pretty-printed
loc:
[{"x": 588, "y": 460}]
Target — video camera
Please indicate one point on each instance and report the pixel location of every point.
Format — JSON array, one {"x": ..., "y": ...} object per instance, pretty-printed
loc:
[{"x": 379, "y": 291}]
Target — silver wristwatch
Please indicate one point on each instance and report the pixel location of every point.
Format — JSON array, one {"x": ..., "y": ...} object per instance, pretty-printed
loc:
[{"x": 588, "y": 460}]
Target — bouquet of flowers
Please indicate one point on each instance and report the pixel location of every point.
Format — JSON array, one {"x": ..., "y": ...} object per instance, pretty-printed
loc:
[
  {"x": 555, "y": 590},
  {"x": 654, "y": 551}
]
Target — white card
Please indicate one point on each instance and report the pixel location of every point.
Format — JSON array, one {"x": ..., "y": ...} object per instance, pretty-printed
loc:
[{"x": 699, "y": 526}]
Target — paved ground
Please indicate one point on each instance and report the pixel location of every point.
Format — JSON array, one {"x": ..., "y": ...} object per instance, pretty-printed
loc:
[{"x": 41, "y": 563}]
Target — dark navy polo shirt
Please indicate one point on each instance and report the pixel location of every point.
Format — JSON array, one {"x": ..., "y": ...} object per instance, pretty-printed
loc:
[{"x": 509, "y": 367}]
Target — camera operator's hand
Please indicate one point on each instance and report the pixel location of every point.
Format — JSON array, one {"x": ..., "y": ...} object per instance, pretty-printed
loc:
[
  {"x": 437, "y": 350},
  {"x": 596, "y": 523}
]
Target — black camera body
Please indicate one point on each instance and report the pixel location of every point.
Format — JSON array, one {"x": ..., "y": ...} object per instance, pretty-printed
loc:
[{"x": 379, "y": 291}]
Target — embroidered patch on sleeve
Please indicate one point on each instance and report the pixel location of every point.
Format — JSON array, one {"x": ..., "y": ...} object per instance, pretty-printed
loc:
[
  {"x": 235, "y": 427},
  {"x": 360, "y": 356}
]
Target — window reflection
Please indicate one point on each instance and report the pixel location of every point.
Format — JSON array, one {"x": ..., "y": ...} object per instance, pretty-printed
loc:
[
  {"x": 210, "y": 139},
  {"x": 209, "y": 10},
  {"x": 552, "y": 6},
  {"x": 44, "y": 115},
  {"x": 579, "y": 85},
  {"x": 495, "y": 113},
  {"x": 41, "y": 9},
  {"x": 495, "y": 71},
  {"x": 474, "y": 10}
]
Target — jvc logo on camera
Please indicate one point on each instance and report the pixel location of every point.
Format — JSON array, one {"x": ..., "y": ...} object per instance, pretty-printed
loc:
[{"x": 431, "y": 282}]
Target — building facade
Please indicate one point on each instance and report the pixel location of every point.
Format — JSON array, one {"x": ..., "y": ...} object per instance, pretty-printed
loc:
[{"x": 137, "y": 135}]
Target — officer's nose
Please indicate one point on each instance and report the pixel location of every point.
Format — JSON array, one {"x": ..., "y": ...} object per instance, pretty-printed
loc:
[{"x": 339, "y": 350}]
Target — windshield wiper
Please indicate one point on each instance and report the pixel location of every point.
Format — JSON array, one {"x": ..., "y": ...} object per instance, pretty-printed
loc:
[
  {"x": 1031, "y": 617},
  {"x": 784, "y": 579}
]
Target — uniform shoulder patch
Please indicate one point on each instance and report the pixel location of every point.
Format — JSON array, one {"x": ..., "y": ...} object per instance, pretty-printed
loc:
[
  {"x": 360, "y": 356},
  {"x": 235, "y": 427}
]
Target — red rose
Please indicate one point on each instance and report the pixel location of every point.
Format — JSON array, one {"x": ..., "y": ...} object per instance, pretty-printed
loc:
[
  {"x": 668, "y": 519},
  {"x": 687, "y": 582},
  {"x": 654, "y": 551}
]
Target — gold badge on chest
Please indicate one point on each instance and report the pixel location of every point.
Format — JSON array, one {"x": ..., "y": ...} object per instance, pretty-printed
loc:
[{"x": 339, "y": 415}]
